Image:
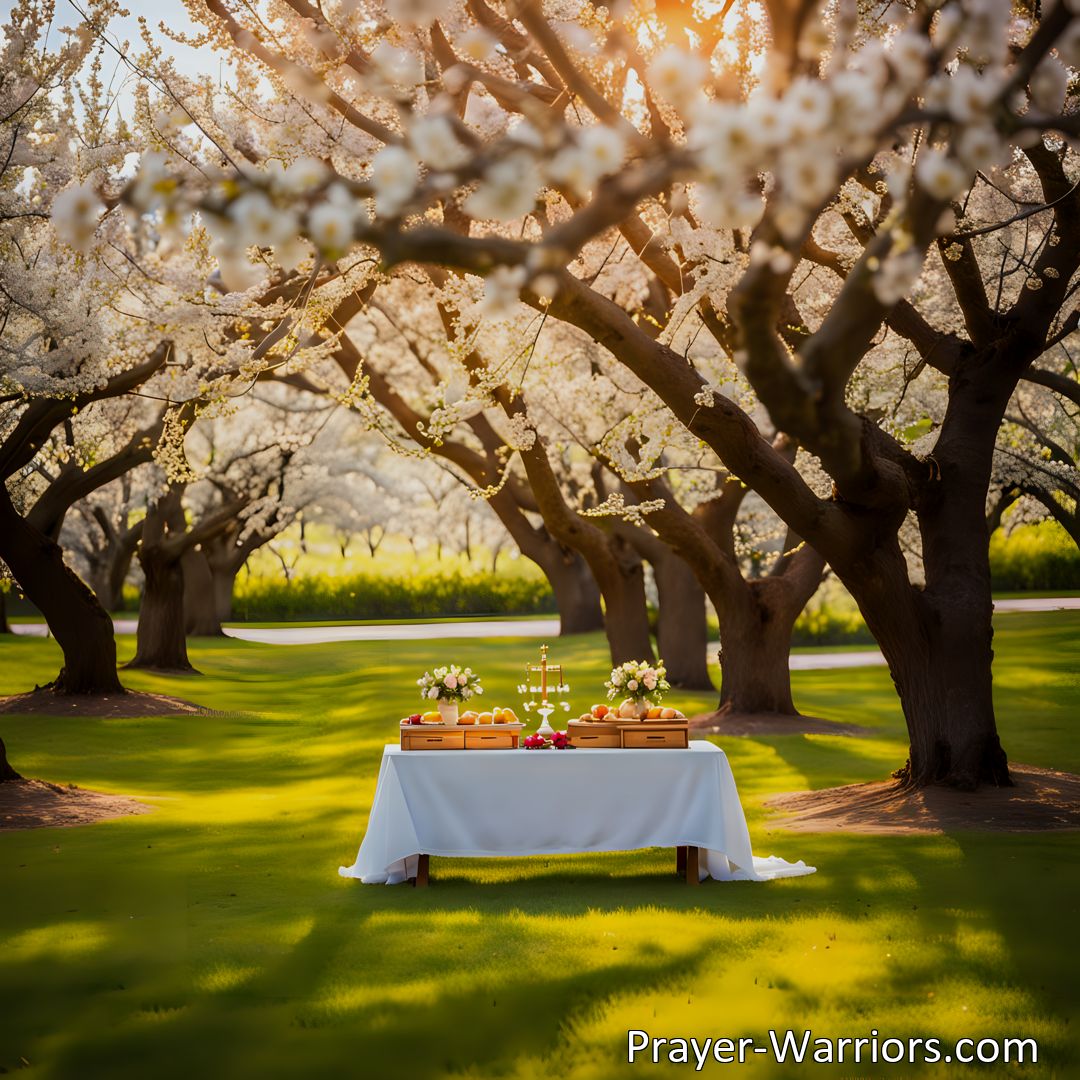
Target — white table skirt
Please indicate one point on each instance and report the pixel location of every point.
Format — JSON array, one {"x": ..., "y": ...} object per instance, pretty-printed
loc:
[{"x": 549, "y": 802}]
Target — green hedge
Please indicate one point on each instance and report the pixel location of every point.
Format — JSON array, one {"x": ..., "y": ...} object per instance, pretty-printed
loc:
[
  {"x": 1034, "y": 557},
  {"x": 831, "y": 624},
  {"x": 375, "y": 596}
]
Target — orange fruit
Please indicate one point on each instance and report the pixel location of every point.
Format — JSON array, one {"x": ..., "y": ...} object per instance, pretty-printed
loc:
[
  {"x": 484, "y": 718},
  {"x": 468, "y": 717}
]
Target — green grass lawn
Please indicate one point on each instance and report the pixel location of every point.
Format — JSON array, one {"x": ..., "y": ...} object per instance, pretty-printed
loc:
[{"x": 213, "y": 937}]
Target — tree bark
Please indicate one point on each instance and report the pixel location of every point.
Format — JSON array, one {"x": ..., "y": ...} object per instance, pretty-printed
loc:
[
  {"x": 110, "y": 565},
  {"x": 682, "y": 635},
  {"x": 161, "y": 641},
  {"x": 81, "y": 626},
  {"x": 756, "y": 617},
  {"x": 939, "y": 640},
  {"x": 200, "y": 607},
  {"x": 937, "y": 645},
  {"x": 223, "y": 583},
  {"x": 682, "y": 631},
  {"x": 6, "y": 771},
  {"x": 621, "y": 578},
  {"x": 577, "y": 596},
  {"x": 5, "y": 626},
  {"x": 756, "y": 621},
  {"x": 161, "y": 644},
  {"x": 224, "y": 557}
]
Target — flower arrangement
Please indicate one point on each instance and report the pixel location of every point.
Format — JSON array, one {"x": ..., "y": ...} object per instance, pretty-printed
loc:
[
  {"x": 639, "y": 681},
  {"x": 449, "y": 683}
]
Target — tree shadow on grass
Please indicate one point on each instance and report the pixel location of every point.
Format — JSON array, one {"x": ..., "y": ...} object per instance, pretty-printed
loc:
[{"x": 483, "y": 969}]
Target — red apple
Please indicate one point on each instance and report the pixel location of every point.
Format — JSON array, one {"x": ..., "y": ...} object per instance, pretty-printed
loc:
[{"x": 416, "y": 718}]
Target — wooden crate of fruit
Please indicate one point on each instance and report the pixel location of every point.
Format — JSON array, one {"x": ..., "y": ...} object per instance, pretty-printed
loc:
[
  {"x": 473, "y": 731},
  {"x": 604, "y": 728}
]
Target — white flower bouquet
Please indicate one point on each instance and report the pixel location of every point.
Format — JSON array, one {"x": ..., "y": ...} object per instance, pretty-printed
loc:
[
  {"x": 450, "y": 683},
  {"x": 639, "y": 681}
]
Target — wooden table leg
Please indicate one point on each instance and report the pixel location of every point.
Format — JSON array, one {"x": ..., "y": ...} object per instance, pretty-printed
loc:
[
  {"x": 422, "y": 865},
  {"x": 680, "y": 860},
  {"x": 692, "y": 865}
]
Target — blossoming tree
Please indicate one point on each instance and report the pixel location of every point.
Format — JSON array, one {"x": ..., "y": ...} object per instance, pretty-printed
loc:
[{"x": 785, "y": 179}]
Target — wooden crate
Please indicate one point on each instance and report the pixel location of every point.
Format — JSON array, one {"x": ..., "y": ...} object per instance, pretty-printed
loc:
[
  {"x": 460, "y": 736},
  {"x": 630, "y": 734}
]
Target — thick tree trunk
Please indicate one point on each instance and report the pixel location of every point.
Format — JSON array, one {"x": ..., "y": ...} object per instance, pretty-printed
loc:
[
  {"x": 5, "y": 626},
  {"x": 937, "y": 643},
  {"x": 81, "y": 626},
  {"x": 119, "y": 567},
  {"x": 223, "y": 583},
  {"x": 756, "y": 621},
  {"x": 6, "y": 771},
  {"x": 200, "y": 607},
  {"x": 108, "y": 576},
  {"x": 225, "y": 556},
  {"x": 948, "y": 692},
  {"x": 161, "y": 643},
  {"x": 682, "y": 636},
  {"x": 626, "y": 614},
  {"x": 577, "y": 595}
]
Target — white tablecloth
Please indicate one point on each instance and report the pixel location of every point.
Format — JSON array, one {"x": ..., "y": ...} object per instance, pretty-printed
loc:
[{"x": 548, "y": 802}]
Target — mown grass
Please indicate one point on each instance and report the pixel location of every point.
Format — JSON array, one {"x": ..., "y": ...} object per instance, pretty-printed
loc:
[{"x": 213, "y": 937}]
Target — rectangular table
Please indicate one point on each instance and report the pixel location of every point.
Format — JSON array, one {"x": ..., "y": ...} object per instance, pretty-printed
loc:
[{"x": 546, "y": 802}]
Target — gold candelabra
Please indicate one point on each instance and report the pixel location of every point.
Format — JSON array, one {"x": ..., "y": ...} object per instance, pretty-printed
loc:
[{"x": 544, "y": 707}]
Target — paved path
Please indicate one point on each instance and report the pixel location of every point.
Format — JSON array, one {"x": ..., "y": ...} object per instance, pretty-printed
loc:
[
  {"x": 536, "y": 628},
  {"x": 311, "y": 635}
]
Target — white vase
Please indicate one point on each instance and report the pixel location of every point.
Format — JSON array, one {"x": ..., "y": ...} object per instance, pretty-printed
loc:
[
  {"x": 633, "y": 710},
  {"x": 448, "y": 710}
]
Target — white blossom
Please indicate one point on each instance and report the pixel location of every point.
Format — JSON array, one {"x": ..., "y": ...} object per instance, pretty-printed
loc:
[
  {"x": 598, "y": 152},
  {"x": 330, "y": 227},
  {"x": 414, "y": 12},
  {"x": 476, "y": 44},
  {"x": 676, "y": 75},
  {"x": 260, "y": 223},
  {"x": 727, "y": 137},
  {"x": 1048, "y": 85},
  {"x": 394, "y": 175},
  {"x": 807, "y": 175},
  {"x": 75, "y": 215},
  {"x": 303, "y": 175},
  {"x": 941, "y": 176},
  {"x": 980, "y": 148},
  {"x": 807, "y": 107},
  {"x": 507, "y": 191},
  {"x": 971, "y": 94},
  {"x": 502, "y": 291},
  {"x": 909, "y": 54},
  {"x": 396, "y": 67},
  {"x": 728, "y": 208},
  {"x": 896, "y": 276},
  {"x": 436, "y": 145},
  {"x": 154, "y": 181}
]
